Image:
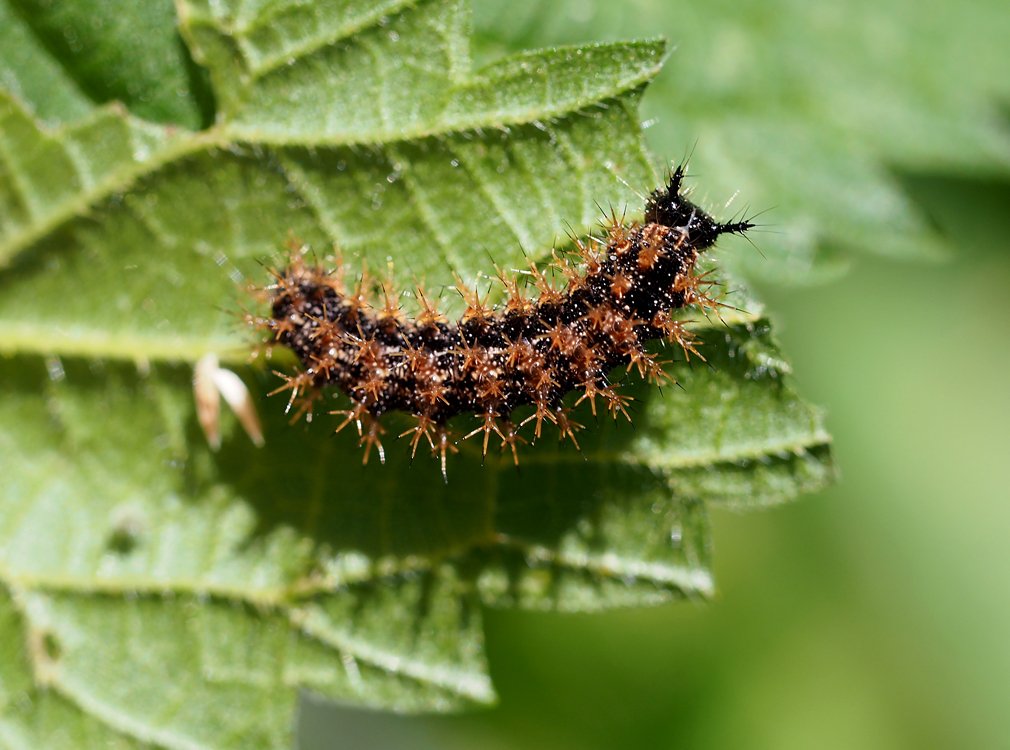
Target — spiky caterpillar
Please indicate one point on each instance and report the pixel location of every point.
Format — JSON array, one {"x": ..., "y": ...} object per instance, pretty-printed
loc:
[{"x": 493, "y": 360}]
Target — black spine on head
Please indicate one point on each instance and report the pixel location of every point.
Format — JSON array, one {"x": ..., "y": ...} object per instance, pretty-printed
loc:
[{"x": 667, "y": 206}]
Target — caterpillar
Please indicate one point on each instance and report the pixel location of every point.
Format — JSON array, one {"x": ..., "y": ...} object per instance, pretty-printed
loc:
[{"x": 620, "y": 290}]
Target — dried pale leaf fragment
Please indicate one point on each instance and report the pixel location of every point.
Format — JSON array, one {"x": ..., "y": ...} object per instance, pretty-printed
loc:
[{"x": 211, "y": 383}]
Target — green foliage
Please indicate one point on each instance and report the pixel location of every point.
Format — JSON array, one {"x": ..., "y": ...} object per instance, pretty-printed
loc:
[
  {"x": 153, "y": 592},
  {"x": 810, "y": 108}
]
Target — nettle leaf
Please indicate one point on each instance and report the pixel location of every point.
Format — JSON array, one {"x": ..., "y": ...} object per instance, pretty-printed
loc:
[
  {"x": 810, "y": 110},
  {"x": 156, "y": 593}
]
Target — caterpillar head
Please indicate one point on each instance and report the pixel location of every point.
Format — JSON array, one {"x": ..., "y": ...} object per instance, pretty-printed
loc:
[{"x": 669, "y": 207}]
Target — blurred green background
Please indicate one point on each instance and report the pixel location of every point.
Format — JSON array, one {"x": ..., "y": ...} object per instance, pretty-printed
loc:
[{"x": 875, "y": 615}]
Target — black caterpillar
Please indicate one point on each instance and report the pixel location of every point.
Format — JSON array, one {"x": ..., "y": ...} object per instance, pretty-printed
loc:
[{"x": 619, "y": 293}]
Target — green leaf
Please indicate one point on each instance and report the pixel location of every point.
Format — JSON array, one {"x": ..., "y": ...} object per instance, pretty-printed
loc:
[
  {"x": 809, "y": 108},
  {"x": 156, "y": 593},
  {"x": 66, "y": 58}
]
